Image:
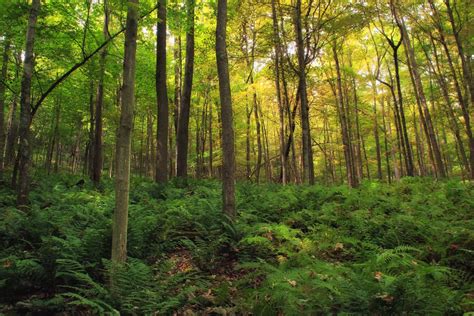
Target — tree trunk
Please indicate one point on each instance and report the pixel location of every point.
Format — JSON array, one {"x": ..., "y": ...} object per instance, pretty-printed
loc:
[
  {"x": 348, "y": 154},
  {"x": 466, "y": 71},
  {"x": 281, "y": 108},
  {"x": 248, "y": 112},
  {"x": 385, "y": 136},
  {"x": 448, "y": 106},
  {"x": 308, "y": 167},
  {"x": 124, "y": 139},
  {"x": 177, "y": 95},
  {"x": 376, "y": 134},
  {"x": 400, "y": 120},
  {"x": 97, "y": 162},
  {"x": 162, "y": 96},
  {"x": 3, "y": 78},
  {"x": 259, "y": 137},
  {"x": 211, "y": 143},
  {"x": 228, "y": 167},
  {"x": 12, "y": 134},
  {"x": 419, "y": 92},
  {"x": 25, "y": 109},
  {"x": 183, "y": 125}
]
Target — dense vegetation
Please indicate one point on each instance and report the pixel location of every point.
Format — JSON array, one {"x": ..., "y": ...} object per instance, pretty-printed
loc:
[
  {"x": 378, "y": 249},
  {"x": 277, "y": 157}
]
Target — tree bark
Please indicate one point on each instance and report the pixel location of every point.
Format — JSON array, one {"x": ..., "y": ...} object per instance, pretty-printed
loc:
[
  {"x": 281, "y": 108},
  {"x": 3, "y": 78},
  {"x": 308, "y": 167},
  {"x": 346, "y": 141},
  {"x": 183, "y": 125},
  {"x": 228, "y": 167},
  {"x": 466, "y": 71},
  {"x": 97, "y": 162},
  {"x": 124, "y": 138},
  {"x": 25, "y": 109},
  {"x": 162, "y": 96},
  {"x": 419, "y": 92}
]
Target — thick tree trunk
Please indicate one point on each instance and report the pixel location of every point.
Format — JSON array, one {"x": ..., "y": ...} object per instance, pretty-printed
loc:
[
  {"x": 308, "y": 167},
  {"x": 183, "y": 125},
  {"x": 124, "y": 139},
  {"x": 162, "y": 96},
  {"x": 228, "y": 167},
  {"x": 25, "y": 109}
]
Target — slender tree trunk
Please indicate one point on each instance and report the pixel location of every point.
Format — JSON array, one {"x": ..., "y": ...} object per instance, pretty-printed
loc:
[
  {"x": 25, "y": 109},
  {"x": 98, "y": 159},
  {"x": 183, "y": 125},
  {"x": 177, "y": 100},
  {"x": 228, "y": 167},
  {"x": 162, "y": 96},
  {"x": 376, "y": 134},
  {"x": 466, "y": 71},
  {"x": 466, "y": 67},
  {"x": 3, "y": 78},
  {"x": 211, "y": 143},
  {"x": 54, "y": 136},
  {"x": 419, "y": 92},
  {"x": 385, "y": 136},
  {"x": 281, "y": 108},
  {"x": 248, "y": 112},
  {"x": 448, "y": 106},
  {"x": 12, "y": 134},
  {"x": 259, "y": 137},
  {"x": 348, "y": 155},
  {"x": 124, "y": 139},
  {"x": 405, "y": 141},
  {"x": 308, "y": 167}
]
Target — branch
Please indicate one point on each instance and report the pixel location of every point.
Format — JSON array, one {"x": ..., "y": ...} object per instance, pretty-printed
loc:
[
  {"x": 58, "y": 81},
  {"x": 4, "y": 83}
]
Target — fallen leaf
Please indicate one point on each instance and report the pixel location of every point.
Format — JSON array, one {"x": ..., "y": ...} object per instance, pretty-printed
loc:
[
  {"x": 292, "y": 282},
  {"x": 378, "y": 275}
]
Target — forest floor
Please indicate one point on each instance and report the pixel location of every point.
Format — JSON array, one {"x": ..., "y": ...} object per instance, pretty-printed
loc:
[{"x": 380, "y": 249}]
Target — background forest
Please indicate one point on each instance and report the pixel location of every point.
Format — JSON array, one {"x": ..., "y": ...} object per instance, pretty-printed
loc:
[{"x": 276, "y": 157}]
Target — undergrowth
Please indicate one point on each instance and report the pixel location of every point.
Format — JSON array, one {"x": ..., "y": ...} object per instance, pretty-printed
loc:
[{"x": 405, "y": 248}]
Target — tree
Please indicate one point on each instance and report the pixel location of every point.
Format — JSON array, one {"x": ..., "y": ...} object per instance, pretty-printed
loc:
[
  {"x": 162, "y": 96},
  {"x": 419, "y": 92},
  {"x": 308, "y": 167},
  {"x": 25, "y": 108},
  {"x": 124, "y": 138},
  {"x": 228, "y": 185},
  {"x": 183, "y": 122},
  {"x": 97, "y": 149},
  {"x": 3, "y": 78}
]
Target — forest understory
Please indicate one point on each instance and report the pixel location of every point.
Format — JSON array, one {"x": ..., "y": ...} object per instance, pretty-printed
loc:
[
  {"x": 292, "y": 250},
  {"x": 241, "y": 157}
]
